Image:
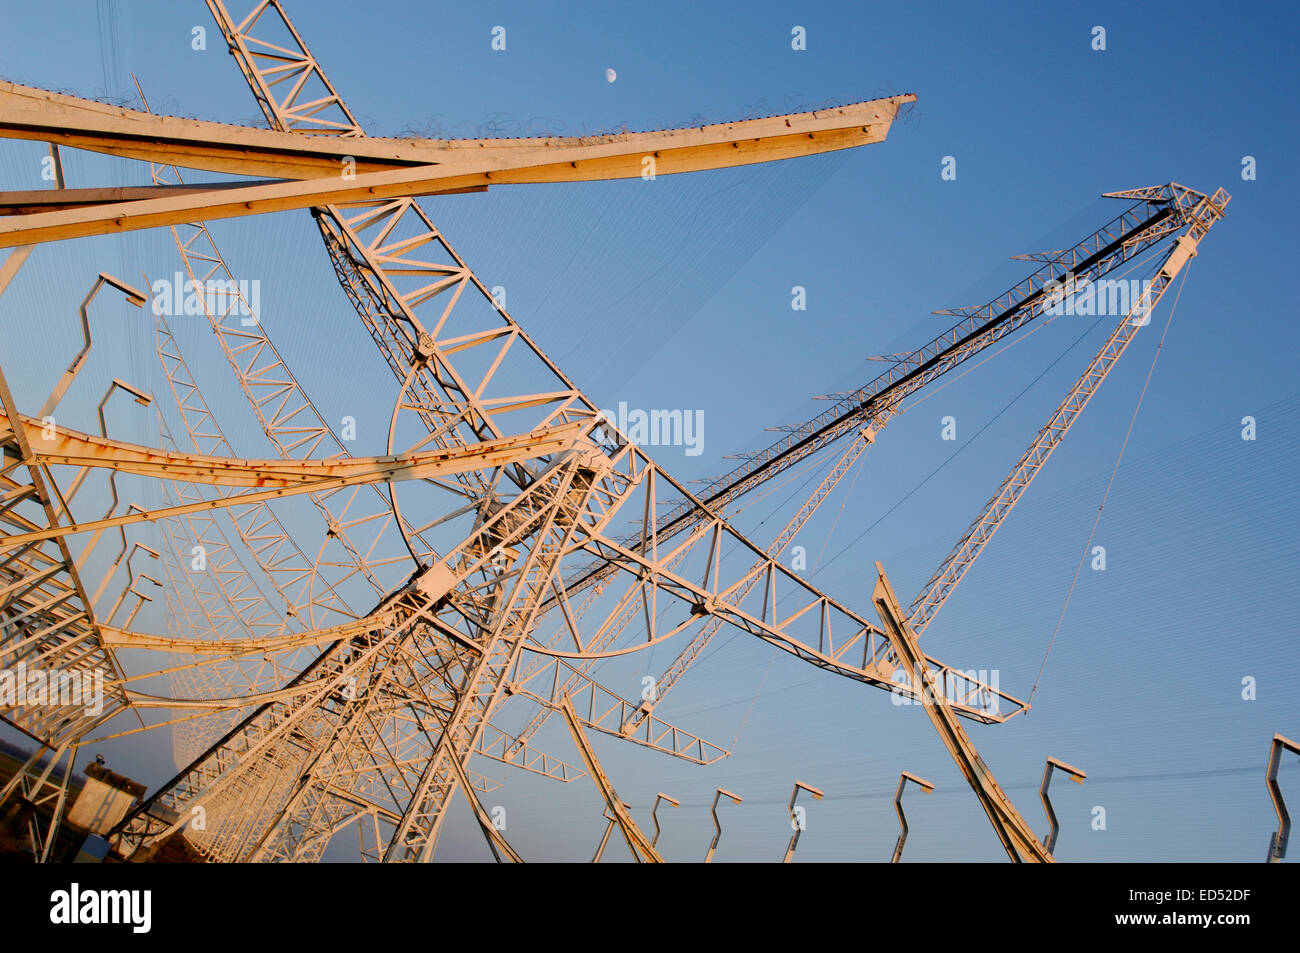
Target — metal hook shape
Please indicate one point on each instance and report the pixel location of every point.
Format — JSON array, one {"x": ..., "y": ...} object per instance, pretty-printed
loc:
[
  {"x": 654, "y": 813},
  {"x": 717, "y": 827},
  {"x": 925, "y": 786},
  {"x": 795, "y": 821},
  {"x": 1077, "y": 775},
  {"x": 1277, "y": 840}
]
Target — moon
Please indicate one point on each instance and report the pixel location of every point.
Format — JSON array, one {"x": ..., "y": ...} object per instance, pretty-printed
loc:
[{"x": 610, "y": 76}]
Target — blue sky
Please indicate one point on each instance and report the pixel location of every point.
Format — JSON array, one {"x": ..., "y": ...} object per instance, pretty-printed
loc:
[{"x": 676, "y": 294}]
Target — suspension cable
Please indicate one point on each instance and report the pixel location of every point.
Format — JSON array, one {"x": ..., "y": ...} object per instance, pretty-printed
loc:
[{"x": 1109, "y": 483}]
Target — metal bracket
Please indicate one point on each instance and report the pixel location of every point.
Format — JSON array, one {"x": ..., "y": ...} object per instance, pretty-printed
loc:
[
  {"x": 925, "y": 786},
  {"x": 1277, "y": 841},
  {"x": 794, "y": 820},
  {"x": 717, "y": 827},
  {"x": 1075, "y": 774}
]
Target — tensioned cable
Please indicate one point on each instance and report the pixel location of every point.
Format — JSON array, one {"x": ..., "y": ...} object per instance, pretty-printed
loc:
[
  {"x": 1190, "y": 458},
  {"x": 910, "y": 493},
  {"x": 818, "y": 565},
  {"x": 1010, "y": 344},
  {"x": 734, "y": 510},
  {"x": 976, "y": 435},
  {"x": 715, "y": 648},
  {"x": 750, "y": 710},
  {"x": 858, "y": 466},
  {"x": 1111, "y": 482}
]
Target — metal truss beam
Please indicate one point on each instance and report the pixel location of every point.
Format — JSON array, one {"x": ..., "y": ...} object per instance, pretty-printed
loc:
[
  {"x": 284, "y": 477},
  {"x": 642, "y": 848},
  {"x": 1013, "y": 831},
  {"x": 1151, "y": 218},
  {"x": 950, "y": 572}
]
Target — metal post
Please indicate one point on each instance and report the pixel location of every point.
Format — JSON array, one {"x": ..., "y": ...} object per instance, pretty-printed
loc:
[
  {"x": 795, "y": 822},
  {"x": 925, "y": 786},
  {"x": 143, "y": 599},
  {"x": 654, "y": 813},
  {"x": 1077, "y": 775},
  {"x": 609, "y": 829},
  {"x": 137, "y": 298},
  {"x": 1277, "y": 841},
  {"x": 717, "y": 827}
]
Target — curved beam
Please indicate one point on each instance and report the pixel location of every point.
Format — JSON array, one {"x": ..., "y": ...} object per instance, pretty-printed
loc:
[
  {"x": 71, "y": 448},
  {"x": 440, "y": 167},
  {"x": 28, "y": 112},
  {"x": 129, "y": 639},
  {"x": 278, "y": 478}
]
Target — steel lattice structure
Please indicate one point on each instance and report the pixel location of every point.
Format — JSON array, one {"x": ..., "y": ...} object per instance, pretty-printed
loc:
[{"x": 341, "y": 666}]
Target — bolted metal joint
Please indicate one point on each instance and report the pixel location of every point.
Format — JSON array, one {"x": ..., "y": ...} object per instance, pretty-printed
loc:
[{"x": 425, "y": 346}]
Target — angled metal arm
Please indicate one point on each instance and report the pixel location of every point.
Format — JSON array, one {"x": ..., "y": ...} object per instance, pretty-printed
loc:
[
  {"x": 1277, "y": 841},
  {"x": 604, "y": 840},
  {"x": 1017, "y": 837},
  {"x": 137, "y": 298},
  {"x": 925, "y": 786},
  {"x": 717, "y": 826},
  {"x": 795, "y": 821},
  {"x": 1158, "y": 211},
  {"x": 496, "y": 841},
  {"x": 641, "y": 848},
  {"x": 1075, "y": 774},
  {"x": 654, "y": 813}
]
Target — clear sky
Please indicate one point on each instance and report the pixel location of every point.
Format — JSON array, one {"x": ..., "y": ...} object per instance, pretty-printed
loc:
[{"x": 676, "y": 294}]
